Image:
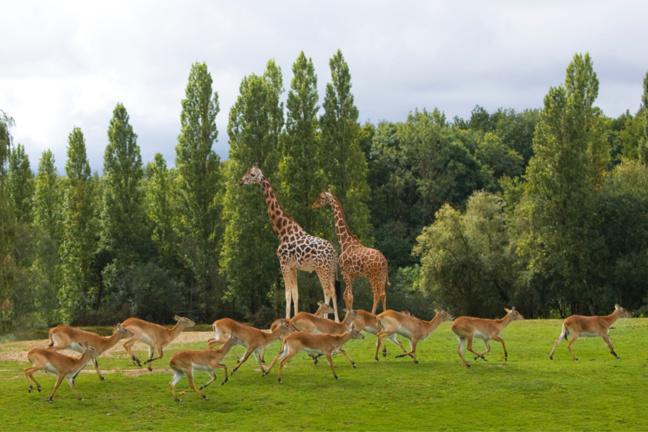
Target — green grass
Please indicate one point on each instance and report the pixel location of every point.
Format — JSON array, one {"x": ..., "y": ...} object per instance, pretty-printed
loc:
[{"x": 529, "y": 392}]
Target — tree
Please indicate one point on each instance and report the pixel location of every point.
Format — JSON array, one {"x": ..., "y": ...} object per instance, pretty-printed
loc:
[
  {"x": 416, "y": 167},
  {"x": 79, "y": 233},
  {"x": 301, "y": 174},
  {"x": 642, "y": 120},
  {"x": 623, "y": 224},
  {"x": 48, "y": 212},
  {"x": 6, "y": 227},
  {"x": 160, "y": 209},
  {"x": 123, "y": 219},
  {"x": 198, "y": 188},
  {"x": 498, "y": 159},
  {"x": 21, "y": 184},
  {"x": 465, "y": 260},
  {"x": 345, "y": 165},
  {"x": 560, "y": 241},
  {"x": 248, "y": 256}
]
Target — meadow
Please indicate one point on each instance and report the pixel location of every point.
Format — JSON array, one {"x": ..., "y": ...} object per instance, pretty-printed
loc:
[{"x": 529, "y": 392}]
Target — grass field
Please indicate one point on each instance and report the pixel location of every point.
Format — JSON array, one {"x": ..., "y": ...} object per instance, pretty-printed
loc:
[{"x": 529, "y": 392}]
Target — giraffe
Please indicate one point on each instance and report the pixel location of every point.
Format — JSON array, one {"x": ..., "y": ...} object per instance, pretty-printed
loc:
[
  {"x": 355, "y": 258},
  {"x": 297, "y": 249}
]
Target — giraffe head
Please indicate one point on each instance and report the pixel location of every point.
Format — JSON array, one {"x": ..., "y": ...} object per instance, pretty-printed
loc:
[
  {"x": 324, "y": 198},
  {"x": 252, "y": 176}
]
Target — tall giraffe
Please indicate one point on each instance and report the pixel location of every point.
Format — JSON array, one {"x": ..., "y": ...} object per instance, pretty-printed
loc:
[
  {"x": 297, "y": 249},
  {"x": 355, "y": 258}
]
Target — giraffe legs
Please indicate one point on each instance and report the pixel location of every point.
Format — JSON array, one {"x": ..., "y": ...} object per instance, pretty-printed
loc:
[
  {"x": 290, "y": 285},
  {"x": 326, "y": 277},
  {"x": 348, "y": 291},
  {"x": 376, "y": 287}
]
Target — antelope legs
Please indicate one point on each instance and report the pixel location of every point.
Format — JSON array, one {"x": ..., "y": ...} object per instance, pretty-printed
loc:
[
  {"x": 29, "y": 373},
  {"x": 460, "y": 351},
  {"x": 128, "y": 346},
  {"x": 500, "y": 340},
  {"x": 607, "y": 340}
]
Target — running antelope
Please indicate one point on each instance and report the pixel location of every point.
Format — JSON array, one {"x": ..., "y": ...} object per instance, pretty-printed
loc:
[
  {"x": 153, "y": 335},
  {"x": 315, "y": 345},
  {"x": 253, "y": 339},
  {"x": 589, "y": 326},
  {"x": 307, "y": 322},
  {"x": 187, "y": 362},
  {"x": 395, "y": 323},
  {"x": 66, "y": 337},
  {"x": 466, "y": 328},
  {"x": 366, "y": 321},
  {"x": 65, "y": 367}
]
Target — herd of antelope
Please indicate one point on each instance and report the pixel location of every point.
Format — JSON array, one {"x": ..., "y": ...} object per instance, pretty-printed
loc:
[{"x": 314, "y": 334}]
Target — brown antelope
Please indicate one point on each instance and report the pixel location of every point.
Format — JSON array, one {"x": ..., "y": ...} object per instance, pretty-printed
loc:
[
  {"x": 153, "y": 335},
  {"x": 253, "y": 339},
  {"x": 65, "y": 337},
  {"x": 315, "y": 345},
  {"x": 187, "y": 362},
  {"x": 466, "y": 328},
  {"x": 65, "y": 367},
  {"x": 589, "y": 326},
  {"x": 366, "y": 321},
  {"x": 395, "y": 323},
  {"x": 307, "y": 322}
]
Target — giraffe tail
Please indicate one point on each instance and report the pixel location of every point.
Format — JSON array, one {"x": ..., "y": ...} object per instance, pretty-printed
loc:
[{"x": 338, "y": 289}]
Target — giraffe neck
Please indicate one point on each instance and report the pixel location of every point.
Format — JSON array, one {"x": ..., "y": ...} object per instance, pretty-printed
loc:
[
  {"x": 282, "y": 224},
  {"x": 344, "y": 234}
]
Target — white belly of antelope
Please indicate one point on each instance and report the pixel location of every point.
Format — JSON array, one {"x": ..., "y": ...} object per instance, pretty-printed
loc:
[
  {"x": 589, "y": 334},
  {"x": 312, "y": 351},
  {"x": 50, "y": 368},
  {"x": 200, "y": 367},
  {"x": 480, "y": 335}
]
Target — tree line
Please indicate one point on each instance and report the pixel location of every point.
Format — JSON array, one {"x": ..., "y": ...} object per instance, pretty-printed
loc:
[{"x": 545, "y": 208}]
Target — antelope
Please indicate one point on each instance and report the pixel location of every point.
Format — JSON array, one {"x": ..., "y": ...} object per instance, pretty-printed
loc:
[
  {"x": 307, "y": 322},
  {"x": 188, "y": 361},
  {"x": 589, "y": 326},
  {"x": 153, "y": 335},
  {"x": 366, "y": 321},
  {"x": 395, "y": 323},
  {"x": 65, "y": 367},
  {"x": 62, "y": 337},
  {"x": 316, "y": 345},
  {"x": 466, "y": 328},
  {"x": 253, "y": 339}
]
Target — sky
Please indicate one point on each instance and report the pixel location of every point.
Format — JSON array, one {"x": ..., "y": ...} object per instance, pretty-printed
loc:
[{"x": 67, "y": 63}]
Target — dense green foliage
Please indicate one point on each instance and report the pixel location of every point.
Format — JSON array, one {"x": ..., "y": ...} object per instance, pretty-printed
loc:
[
  {"x": 545, "y": 208},
  {"x": 529, "y": 392}
]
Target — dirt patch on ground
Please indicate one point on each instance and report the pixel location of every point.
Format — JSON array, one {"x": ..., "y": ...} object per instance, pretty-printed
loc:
[{"x": 17, "y": 351}]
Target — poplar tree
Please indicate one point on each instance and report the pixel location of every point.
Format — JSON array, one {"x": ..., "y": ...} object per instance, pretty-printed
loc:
[
  {"x": 79, "y": 231},
  {"x": 198, "y": 189},
  {"x": 48, "y": 229},
  {"x": 21, "y": 184},
  {"x": 300, "y": 168},
  {"x": 123, "y": 218},
  {"x": 160, "y": 210},
  {"x": 642, "y": 119},
  {"x": 563, "y": 175},
  {"x": 345, "y": 164},
  {"x": 6, "y": 227},
  {"x": 248, "y": 256}
]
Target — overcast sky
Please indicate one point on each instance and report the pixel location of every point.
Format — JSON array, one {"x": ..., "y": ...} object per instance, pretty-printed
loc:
[{"x": 67, "y": 63}]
